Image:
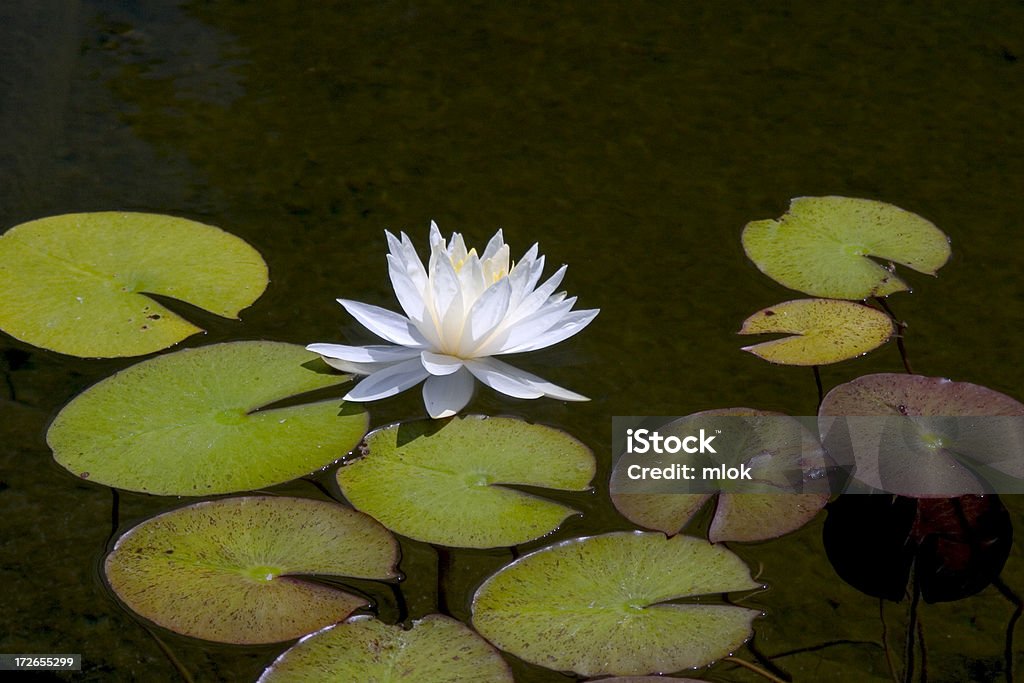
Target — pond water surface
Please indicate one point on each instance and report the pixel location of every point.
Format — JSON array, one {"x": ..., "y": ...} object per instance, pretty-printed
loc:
[{"x": 632, "y": 140}]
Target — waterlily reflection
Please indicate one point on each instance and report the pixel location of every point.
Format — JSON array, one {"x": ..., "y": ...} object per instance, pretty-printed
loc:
[{"x": 460, "y": 312}]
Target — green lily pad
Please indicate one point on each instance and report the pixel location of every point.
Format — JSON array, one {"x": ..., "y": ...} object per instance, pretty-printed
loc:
[
  {"x": 822, "y": 247},
  {"x": 604, "y": 605},
  {"x": 785, "y": 460},
  {"x": 187, "y": 424},
  {"x": 910, "y": 435},
  {"x": 827, "y": 331},
  {"x": 444, "y": 484},
  {"x": 77, "y": 283},
  {"x": 225, "y": 570},
  {"x": 436, "y": 649}
]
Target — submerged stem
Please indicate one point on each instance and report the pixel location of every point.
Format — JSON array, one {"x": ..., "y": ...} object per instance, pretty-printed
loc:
[
  {"x": 756, "y": 669},
  {"x": 182, "y": 671},
  {"x": 1016, "y": 600},
  {"x": 885, "y": 642},
  {"x": 908, "y": 656}
]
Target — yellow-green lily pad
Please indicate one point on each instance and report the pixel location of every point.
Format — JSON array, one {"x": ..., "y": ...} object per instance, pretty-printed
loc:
[
  {"x": 227, "y": 570},
  {"x": 77, "y": 283},
  {"x": 827, "y": 331},
  {"x": 823, "y": 247},
  {"x": 437, "y": 649},
  {"x": 188, "y": 423},
  {"x": 608, "y": 605},
  {"x": 447, "y": 484}
]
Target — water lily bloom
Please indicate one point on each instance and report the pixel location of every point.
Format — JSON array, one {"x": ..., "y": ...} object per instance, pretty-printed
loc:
[{"x": 461, "y": 311}]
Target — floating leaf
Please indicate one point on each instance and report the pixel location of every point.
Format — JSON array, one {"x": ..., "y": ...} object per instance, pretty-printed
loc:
[
  {"x": 225, "y": 569},
  {"x": 909, "y": 435},
  {"x": 955, "y": 546},
  {"x": 828, "y": 331},
  {"x": 602, "y": 605},
  {"x": 822, "y": 245},
  {"x": 436, "y": 649},
  {"x": 443, "y": 484},
  {"x": 783, "y": 458},
  {"x": 77, "y": 283},
  {"x": 187, "y": 424}
]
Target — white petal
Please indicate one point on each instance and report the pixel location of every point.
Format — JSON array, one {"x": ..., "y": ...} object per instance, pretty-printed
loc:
[
  {"x": 567, "y": 327},
  {"x": 444, "y": 284},
  {"x": 538, "y": 297},
  {"x": 515, "y": 333},
  {"x": 492, "y": 373},
  {"x": 472, "y": 281},
  {"x": 515, "y": 376},
  {"x": 524, "y": 278},
  {"x": 364, "y": 354},
  {"x": 496, "y": 267},
  {"x": 435, "y": 236},
  {"x": 440, "y": 363},
  {"x": 389, "y": 381},
  {"x": 409, "y": 293},
  {"x": 457, "y": 252},
  {"x": 445, "y": 396},
  {"x": 355, "y": 368},
  {"x": 496, "y": 243},
  {"x": 486, "y": 314},
  {"x": 386, "y": 324}
]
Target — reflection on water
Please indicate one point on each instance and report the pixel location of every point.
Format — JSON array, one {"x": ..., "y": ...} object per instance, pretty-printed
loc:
[{"x": 632, "y": 140}]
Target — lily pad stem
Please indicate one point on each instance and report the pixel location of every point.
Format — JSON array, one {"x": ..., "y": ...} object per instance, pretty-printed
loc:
[
  {"x": 400, "y": 604},
  {"x": 182, "y": 671},
  {"x": 444, "y": 564},
  {"x": 900, "y": 327},
  {"x": 817, "y": 382},
  {"x": 115, "y": 515}
]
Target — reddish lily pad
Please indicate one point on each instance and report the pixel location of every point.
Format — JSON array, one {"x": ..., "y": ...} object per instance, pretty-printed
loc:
[
  {"x": 954, "y": 547},
  {"x": 226, "y": 570},
  {"x": 784, "y": 458},
  {"x": 924, "y": 436}
]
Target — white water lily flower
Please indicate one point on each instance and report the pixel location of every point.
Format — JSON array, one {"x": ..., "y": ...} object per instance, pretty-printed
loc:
[{"x": 460, "y": 312}]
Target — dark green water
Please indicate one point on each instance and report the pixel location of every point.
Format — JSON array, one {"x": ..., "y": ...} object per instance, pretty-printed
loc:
[{"x": 633, "y": 140}]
